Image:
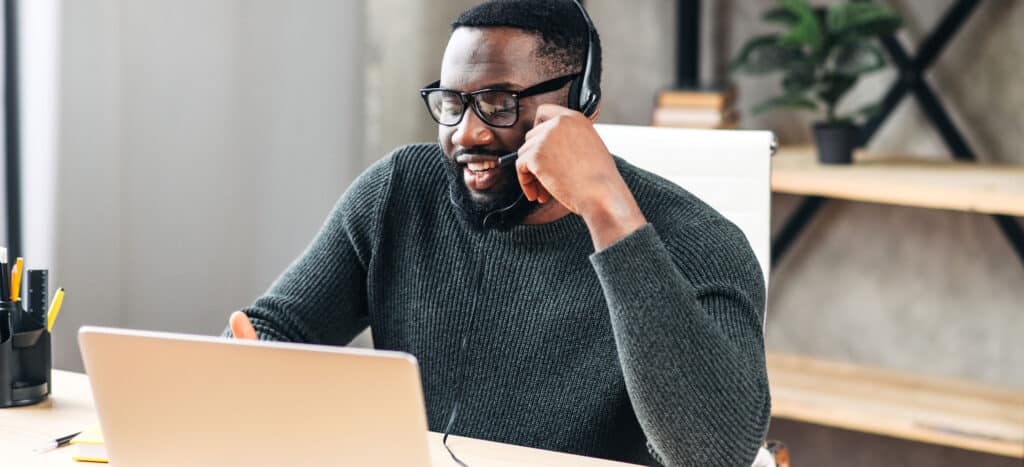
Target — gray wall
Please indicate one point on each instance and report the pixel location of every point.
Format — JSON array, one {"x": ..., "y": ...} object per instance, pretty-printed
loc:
[{"x": 201, "y": 146}]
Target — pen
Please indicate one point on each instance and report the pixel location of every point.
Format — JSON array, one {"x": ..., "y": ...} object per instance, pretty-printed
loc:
[
  {"x": 19, "y": 267},
  {"x": 57, "y": 443},
  {"x": 51, "y": 316}
]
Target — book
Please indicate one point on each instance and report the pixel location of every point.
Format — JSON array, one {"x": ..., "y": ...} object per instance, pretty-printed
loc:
[
  {"x": 694, "y": 118},
  {"x": 717, "y": 99},
  {"x": 89, "y": 446}
]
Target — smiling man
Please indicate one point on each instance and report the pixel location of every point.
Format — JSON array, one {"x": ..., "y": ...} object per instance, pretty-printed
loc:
[{"x": 566, "y": 301}]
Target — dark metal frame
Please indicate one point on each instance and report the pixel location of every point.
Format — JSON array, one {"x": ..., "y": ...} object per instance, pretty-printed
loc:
[
  {"x": 688, "y": 44},
  {"x": 911, "y": 79},
  {"x": 12, "y": 129}
]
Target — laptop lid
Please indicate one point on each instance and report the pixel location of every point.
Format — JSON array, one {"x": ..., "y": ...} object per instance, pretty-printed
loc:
[{"x": 172, "y": 399}]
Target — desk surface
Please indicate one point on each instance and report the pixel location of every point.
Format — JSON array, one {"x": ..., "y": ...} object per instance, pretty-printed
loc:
[
  {"x": 899, "y": 180},
  {"x": 70, "y": 409}
]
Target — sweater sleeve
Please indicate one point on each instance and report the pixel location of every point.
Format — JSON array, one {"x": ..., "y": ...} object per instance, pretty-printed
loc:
[
  {"x": 321, "y": 297},
  {"x": 687, "y": 319}
]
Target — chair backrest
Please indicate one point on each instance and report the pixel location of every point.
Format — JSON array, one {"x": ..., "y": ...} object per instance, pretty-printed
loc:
[{"x": 728, "y": 169}]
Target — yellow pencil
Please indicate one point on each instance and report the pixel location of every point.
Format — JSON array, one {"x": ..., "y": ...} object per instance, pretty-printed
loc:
[
  {"x": 19, "y": 266},
  {"x": 51, "y": 315}
]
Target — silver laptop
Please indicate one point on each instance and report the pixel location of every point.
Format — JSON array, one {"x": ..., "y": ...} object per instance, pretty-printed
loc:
[{"x": 172, "y": 399}]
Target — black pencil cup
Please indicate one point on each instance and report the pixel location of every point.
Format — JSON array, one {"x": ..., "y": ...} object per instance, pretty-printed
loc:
[{"x": 25, "y": 361}]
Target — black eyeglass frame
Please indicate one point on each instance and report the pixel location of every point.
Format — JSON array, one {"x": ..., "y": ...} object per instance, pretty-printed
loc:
[{"x": 468, "y": 99}]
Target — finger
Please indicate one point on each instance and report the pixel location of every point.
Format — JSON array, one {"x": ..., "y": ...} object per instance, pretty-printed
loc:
[
  {"x": 544, "y": 195},
  {"x": 530, "y": 190},
  {"x": 538, "y": 129},
  {"x": 241, "y": 327},
  {"x": 549, "y": 111},
  {"x": 527, "y": 180}
]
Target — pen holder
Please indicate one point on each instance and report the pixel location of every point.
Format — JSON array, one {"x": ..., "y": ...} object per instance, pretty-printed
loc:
[{"x": 25, "y": 361}]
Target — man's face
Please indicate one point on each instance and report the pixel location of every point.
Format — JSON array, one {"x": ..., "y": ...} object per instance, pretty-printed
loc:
[{"x": 490, "y": 58}]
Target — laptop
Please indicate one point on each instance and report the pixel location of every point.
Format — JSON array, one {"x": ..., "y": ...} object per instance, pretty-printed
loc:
[{"x": 168, "y": 399}]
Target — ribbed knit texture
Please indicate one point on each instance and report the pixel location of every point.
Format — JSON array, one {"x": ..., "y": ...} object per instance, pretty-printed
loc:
[{"x": 648, "y": 351}]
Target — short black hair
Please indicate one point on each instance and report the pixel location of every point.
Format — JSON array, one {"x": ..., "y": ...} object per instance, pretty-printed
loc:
[{"x": 558, "y": 23}]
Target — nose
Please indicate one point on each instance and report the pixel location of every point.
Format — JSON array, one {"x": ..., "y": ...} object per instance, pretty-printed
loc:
[{"x": 472, "y": 132}]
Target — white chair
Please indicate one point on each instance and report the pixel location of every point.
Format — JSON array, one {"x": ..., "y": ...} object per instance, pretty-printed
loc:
[{"x": 728, "y": 169}]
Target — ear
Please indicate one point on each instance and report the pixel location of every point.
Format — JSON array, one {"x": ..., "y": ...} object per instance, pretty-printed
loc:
[{"x": 597, "y": 113}]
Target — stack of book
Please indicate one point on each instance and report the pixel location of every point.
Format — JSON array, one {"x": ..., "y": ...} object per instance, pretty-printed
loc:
[{"x": 697, "y": 108}]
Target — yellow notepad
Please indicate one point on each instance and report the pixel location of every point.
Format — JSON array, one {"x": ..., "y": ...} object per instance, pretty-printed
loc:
[{"x": 89, "y": 446}]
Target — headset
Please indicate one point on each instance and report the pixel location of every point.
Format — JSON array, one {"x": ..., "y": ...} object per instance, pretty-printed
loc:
[{"x": 584, "y": 96}]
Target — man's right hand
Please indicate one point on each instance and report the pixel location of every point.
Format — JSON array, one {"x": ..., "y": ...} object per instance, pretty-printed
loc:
[{"x": 241, "y": 327}]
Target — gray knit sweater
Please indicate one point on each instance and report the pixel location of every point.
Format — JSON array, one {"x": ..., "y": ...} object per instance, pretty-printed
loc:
[{"x": 648, "y": 351}]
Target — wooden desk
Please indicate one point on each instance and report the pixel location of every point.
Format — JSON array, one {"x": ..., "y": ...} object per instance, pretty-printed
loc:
[
  {"x": 70, "y": 409},
  {"x": 898, "y": 180}
]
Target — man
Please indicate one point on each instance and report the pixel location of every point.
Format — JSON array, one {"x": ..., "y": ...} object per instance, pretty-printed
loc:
[{"x": 607, "y": 312}]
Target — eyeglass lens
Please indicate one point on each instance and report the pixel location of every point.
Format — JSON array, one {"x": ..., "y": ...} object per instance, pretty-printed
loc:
[{"x": 497, "y": 108}]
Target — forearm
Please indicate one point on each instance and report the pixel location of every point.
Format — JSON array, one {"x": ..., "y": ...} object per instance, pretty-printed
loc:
[
  {"x": 613, "y": 216},
  {"x": 302, "y": 307},
  {"x": 321, "y": 297},
  {"x": 692, "y": 358}
]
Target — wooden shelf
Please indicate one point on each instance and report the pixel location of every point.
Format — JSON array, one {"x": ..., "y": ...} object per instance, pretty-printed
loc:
[
  {"x": 891, "y": 403},
  {"x": 899, "y": 180}
]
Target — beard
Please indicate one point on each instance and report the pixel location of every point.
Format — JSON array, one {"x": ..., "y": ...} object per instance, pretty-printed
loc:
[{"x": 502, "y": 207}]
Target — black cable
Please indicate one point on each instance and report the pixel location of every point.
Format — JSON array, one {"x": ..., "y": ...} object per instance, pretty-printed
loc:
[
  {"x": 463, "y": 350},
  {"x": 501, "y": 211},
  {"x": 455, "y": 406}
]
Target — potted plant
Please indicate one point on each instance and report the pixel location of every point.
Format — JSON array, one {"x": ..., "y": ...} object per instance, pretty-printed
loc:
[{"x": 821, "y": 54}]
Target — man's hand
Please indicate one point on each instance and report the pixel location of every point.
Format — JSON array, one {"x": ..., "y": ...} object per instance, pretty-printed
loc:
[
  {"x": 241, "y": 327},
  {"x": 564, "y": 158}
]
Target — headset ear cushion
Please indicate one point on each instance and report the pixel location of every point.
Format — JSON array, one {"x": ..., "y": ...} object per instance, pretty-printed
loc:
[{"x": 574, "y": 94}]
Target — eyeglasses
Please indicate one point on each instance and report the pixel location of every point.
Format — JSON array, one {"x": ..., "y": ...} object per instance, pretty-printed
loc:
[{"x": 496, "y": 107}]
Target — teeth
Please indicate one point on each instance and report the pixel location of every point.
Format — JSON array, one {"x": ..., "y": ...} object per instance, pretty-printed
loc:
[{"x": 482, "y": 166}]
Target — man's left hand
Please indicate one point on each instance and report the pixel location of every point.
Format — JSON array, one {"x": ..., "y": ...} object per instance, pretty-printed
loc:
[{"x": 564, "y": 158}]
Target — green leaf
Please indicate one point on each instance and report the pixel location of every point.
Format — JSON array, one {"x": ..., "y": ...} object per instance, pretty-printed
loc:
[
  {"x": 781, "y": 16},
  {"x": 789, "y": 101},
  {"x": 807, "y": 30},
  {"x": 833, "y": 86},
  {"x": 861, "y": 114},
  {"x": 762, "y": 55},
  {"x": 861, "y": 19},
  {"x": 854, "y": 59},
  {"x": 799, "y": 77},
  {"x": 869, "y": 110}
]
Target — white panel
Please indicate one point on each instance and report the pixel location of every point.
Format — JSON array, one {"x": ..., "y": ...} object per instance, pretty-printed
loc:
[
  {"x": 728, "y": 169},
  {"x": 39, "y": 47}
]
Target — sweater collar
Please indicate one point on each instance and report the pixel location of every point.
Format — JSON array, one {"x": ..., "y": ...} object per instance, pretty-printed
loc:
[{"x": 568, "y": 227}]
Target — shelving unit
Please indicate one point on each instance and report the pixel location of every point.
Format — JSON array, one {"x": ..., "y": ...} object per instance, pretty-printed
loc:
[
  {"x": 901, "y": 180},
  {"x": 885, "y": 402}
]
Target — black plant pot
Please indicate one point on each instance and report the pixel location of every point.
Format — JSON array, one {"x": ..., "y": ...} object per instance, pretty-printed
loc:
[{"x": 836, "y": 142}]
